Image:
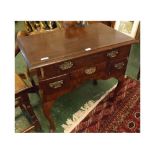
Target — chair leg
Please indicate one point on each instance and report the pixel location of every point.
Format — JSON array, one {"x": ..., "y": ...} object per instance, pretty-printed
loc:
[{"x": 29, "y": 109}]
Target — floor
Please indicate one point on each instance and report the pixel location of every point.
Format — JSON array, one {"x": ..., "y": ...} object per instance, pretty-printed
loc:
[
  {"x": 68, "y": 104},
  {"x": 123, "y": 116}
]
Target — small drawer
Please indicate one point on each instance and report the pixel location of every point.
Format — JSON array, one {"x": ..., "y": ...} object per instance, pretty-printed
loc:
[
  {"x": 54, "y": 84},
  {"x": 89, "y": 71},
  {"x": 118, "y": 67},
  {"x": 119, "y": 53}
]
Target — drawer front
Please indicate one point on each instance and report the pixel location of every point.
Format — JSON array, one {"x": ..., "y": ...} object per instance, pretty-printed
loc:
[
  {"x": 118, "y": 53},
  {"x": 54, "y": 84},
  {"x": 71, "y": 65},
  {"x": 89, "y": 71},
  {"x": 118, "y": 67}
]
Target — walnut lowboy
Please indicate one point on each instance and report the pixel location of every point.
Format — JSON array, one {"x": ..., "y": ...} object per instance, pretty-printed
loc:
[{"x": 69, "y": 64}]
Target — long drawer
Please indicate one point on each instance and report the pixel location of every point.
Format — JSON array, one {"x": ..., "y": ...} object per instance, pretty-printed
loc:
[
  {"x": 74, "y": 64},
  {"x": 54, "y": 84}
]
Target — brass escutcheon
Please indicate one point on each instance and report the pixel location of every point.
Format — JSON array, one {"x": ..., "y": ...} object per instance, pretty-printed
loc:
[
  {"x": 66, "y": 65},
  {"x": 56, "y": 84},
  {"x": 90, "y": 70},
  {"x": 112, "y": 54},
  {"x": 119, "y": 65}
]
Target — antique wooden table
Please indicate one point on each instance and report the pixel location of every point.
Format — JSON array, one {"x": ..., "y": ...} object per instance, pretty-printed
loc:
[{"x": 63, "y": 59}]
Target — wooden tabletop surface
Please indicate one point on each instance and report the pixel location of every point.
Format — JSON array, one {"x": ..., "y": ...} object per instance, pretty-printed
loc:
[{"x": 59, "y": 45}]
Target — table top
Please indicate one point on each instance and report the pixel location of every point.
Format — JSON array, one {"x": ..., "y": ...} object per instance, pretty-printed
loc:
[{"x": 55, "y": 46}]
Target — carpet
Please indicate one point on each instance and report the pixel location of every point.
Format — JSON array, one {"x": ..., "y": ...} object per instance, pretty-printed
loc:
[{"x": 123, "y": 115}]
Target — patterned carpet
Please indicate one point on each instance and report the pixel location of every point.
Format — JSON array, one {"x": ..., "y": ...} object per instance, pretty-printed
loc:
[{"x": 121, "y": 116}]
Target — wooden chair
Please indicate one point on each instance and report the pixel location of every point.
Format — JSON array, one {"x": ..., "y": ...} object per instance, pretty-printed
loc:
[
  {"x": 22, "y": 101},
  {"x": 22, "y": 89}
]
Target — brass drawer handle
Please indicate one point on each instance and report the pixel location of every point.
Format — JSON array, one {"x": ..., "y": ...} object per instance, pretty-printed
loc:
[
  {"x": 56, "y": 84},
  {"x": 112, "y": 54},
  {"x": 119, "y": 65},
  {"x": 90, "y": 70},
  {"x": 66, "y": 65}
]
